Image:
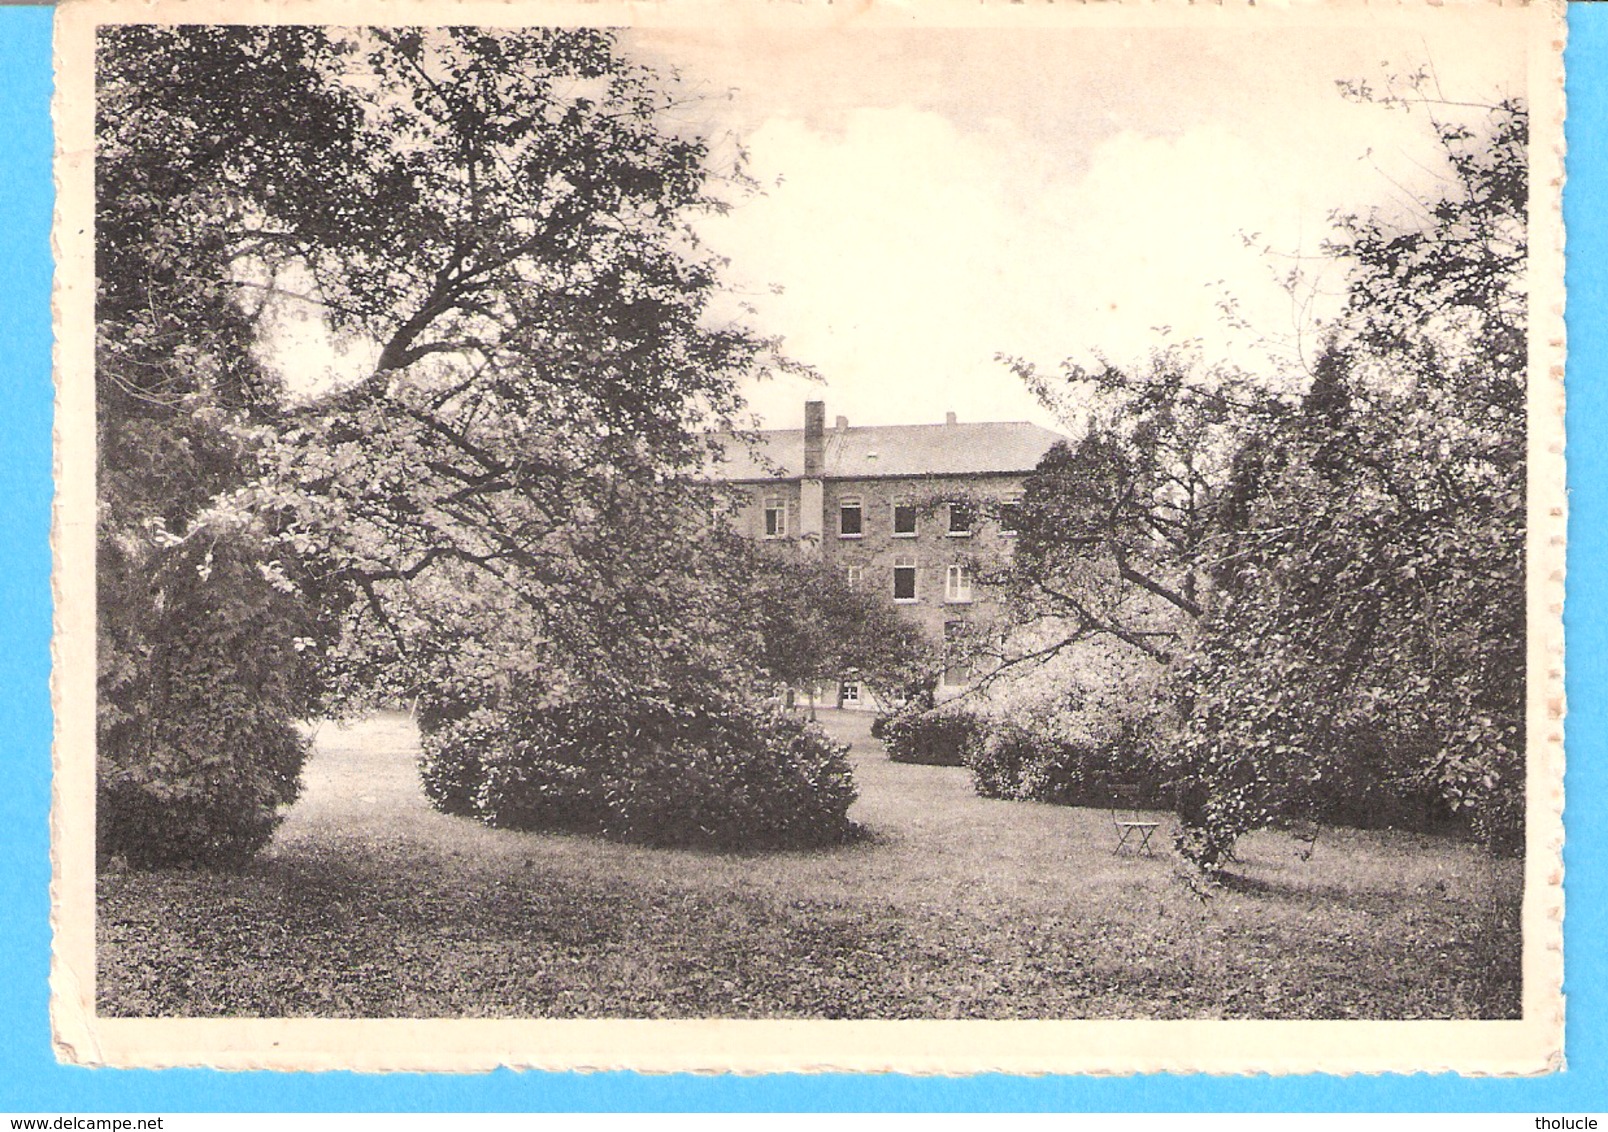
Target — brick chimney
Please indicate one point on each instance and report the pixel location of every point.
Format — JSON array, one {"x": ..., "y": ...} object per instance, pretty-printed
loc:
[
  {"x": 812, "y": 489},
  {"x": 949, "y": 418},
  {"x": 843, "y": 424},
  {"x": 814, "y": 438}
]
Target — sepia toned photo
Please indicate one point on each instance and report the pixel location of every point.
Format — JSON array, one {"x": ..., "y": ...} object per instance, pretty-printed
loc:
[{"x": 778, "y": 538}]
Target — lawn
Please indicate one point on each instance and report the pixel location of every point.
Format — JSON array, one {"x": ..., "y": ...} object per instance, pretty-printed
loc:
[{"x": 368, "y": 903}]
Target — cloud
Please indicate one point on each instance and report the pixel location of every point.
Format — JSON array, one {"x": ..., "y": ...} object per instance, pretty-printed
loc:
[
  {"x": 893, "y": 242},
  {"x": 911, "y": 250}
]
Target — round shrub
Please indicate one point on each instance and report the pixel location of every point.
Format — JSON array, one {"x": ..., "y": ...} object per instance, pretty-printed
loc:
[
  {"x": 450, "y": 766},
  {"x": 773, "y": 783},
  {"x": 1033, "y": 760},
  {"x": 549, "y": 769},
  {"x": 201, "y": 787},
  {"x": 1001, "y": 759},
  {"x": 879, "y": 726},
  {"x": 729, "y": 776},
  {"x": 206, "y": 795},
  {"x": 197, "y": 744},
  {"x": 931, "y": 736}
]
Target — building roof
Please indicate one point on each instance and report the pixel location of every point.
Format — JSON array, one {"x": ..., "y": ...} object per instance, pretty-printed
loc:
[{"x": 868, "y": 451}]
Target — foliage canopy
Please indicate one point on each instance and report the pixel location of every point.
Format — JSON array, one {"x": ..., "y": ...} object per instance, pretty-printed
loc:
[
  {"x": 489, "y": 499},
  {"x": 1331, "y": 584}
]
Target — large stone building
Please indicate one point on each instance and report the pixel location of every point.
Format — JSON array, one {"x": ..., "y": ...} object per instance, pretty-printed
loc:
[{"x": 914, "y": 512}]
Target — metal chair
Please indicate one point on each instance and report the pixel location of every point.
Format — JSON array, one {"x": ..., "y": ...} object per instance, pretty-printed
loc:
[{"x": 1134, "y": 830}]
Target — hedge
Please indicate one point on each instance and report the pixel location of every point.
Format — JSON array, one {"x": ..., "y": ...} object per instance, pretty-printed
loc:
[{"x": 722, "y": 775}]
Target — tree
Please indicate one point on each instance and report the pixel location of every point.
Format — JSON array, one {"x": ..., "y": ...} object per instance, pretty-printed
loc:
[
  {"x": 1115, "y": 530},
  {"x": 522, "y": 456},
  {"x": 1113, "y": 572},
  {"x": 1369, "y": 650},
  {"x": 505, "y": 502},
  {"x": 1333, "y": 588},
  {"x": 203, "y": 659},
  {"x": 813, "y": 626}
]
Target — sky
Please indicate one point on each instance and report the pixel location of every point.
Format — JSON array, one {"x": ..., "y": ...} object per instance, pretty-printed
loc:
[{"x": 933, "y": 198}]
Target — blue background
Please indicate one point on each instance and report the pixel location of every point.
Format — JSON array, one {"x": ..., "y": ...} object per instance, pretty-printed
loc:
[{"x": 30, "y": 1079}]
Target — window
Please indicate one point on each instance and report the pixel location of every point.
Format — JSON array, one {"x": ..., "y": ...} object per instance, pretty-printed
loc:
[
  {"x": 775, "y": 517},
  {"x": 1010, "y": 515},
  {"x": 854, "y": 574},
  {"x": 960, "y": 520},
  {"x": 957, "y": 667},
  {"x": 904, "y": 579},
  {"x": 958, "y": 583},
  {"x": 850, "y": 519},
  {"x": 851, "y": 693},
  {"x": 904, "y": 520}
]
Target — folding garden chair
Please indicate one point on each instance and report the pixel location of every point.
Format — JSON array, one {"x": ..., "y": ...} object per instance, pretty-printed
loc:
[{"x": 1134, "y": 830}]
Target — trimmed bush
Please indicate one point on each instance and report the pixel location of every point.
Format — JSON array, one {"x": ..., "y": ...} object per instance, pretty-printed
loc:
[
  {"x": 197, "y": 745},
  {"x": 1000, "y": 761},
  {"x": 730, "y": 776},
  {"x": 206, "y": 795},
  {"x": 777, "y": 783},
  {"x": 1028, "y": 760},
  {"x": 932, "y": 736}
]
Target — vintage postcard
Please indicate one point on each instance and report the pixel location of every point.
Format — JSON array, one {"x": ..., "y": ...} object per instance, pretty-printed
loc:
[{"x": 753, "y": 537}]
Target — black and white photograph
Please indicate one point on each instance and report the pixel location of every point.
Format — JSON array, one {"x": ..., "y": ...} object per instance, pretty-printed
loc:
[{"x": 598, "y": 537}]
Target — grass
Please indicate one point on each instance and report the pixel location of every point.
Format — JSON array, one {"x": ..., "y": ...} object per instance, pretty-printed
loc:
[{"x": 368, "y": 903}]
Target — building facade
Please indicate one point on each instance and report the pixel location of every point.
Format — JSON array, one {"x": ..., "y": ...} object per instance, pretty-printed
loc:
[{"x": 917, "y": 513}]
